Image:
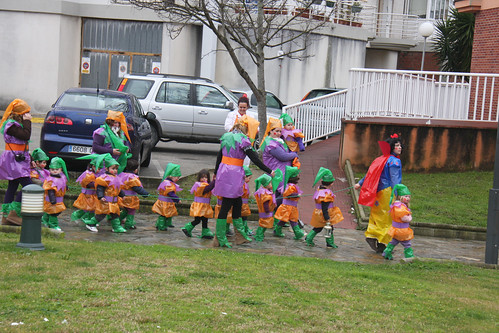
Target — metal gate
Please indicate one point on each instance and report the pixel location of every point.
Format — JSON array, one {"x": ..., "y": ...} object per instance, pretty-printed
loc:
[{"x": 111, "y": 47}]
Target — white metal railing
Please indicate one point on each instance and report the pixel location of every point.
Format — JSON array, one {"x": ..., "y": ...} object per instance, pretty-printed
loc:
[
  {"x": 392, "y": 93},
  {"x": 320, "y": 116},
  {"x": 393, "y": 25},
  {"x": 437, "y": 95}
]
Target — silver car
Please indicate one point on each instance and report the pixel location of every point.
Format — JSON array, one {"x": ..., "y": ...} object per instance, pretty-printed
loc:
[{"x": 187, "y": 109}]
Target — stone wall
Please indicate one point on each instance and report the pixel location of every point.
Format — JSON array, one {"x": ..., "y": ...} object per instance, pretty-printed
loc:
[{"x": 438, "y": 146}]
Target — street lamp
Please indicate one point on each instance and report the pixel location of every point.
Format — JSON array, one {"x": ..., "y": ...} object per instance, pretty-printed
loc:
[
  {"x": 425, "y": 30},
  {"x": 32, "y": 211}
]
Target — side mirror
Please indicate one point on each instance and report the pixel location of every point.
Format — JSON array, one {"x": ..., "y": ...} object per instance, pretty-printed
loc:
[
  {"x": 150, "y": 116},
  {"x": 230, "y": 105}
]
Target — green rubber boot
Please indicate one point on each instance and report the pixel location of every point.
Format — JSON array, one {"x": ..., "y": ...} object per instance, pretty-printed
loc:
[
  {"x": 260, "y": 234},
  {"x": 54, "y": 223},
  {"x": 310, "y": 238},
  {"x": 187, "y": 229},
  {"x": 330, "y": 242},
  {"x": 248, "y": 231},
  {"x": 298, "y": 232},
  {"x": 15, "y": 213},
  {"x": 45, "y": 219},
  {"x": 116, "y": 224},
  {"x": 408, "y": 252},
  {"x": 206, "y": 233},
  {"x": 130, "y": 222},
  {"x": 168, "y": 222},
  {"x": 387, "y": 253},
  {"x": 87, "y": 217},
  {"x": 228, "y": 231},
  {"x": 221, "y": 230},
  {"x": 77, "y": 214},
  {"x": 161, "y": 223},
  {"x": 278, "y": 230},
  {"x": 123, "y": 214},
  {"x": 5, "y": 212},
  {"x": 239, "y": 225}
]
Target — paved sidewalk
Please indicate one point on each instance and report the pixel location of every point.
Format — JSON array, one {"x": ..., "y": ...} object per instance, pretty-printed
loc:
[
  {"x": 326, "y": 154},
  {"x": 351, "y": 244}
]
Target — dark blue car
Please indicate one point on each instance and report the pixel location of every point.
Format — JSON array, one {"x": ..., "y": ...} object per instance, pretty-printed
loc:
[{"x": 78, "y": 112}]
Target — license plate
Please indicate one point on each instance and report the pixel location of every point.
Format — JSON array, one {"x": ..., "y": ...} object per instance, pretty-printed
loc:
[{"x": 80, "y": 149}]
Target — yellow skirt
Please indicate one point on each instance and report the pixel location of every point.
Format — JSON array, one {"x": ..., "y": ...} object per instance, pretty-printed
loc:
[{"x": 380, "y": 220}]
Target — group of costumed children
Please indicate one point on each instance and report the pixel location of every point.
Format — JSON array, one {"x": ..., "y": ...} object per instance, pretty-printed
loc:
[{"x": 107, "y": 193}]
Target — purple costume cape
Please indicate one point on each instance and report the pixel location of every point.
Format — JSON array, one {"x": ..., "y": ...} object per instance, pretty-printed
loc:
[
  {"x": 58, "y": 182},
  {"x": 230, "y": 178},
  {"x": 275, "y": 156},
  {"x": 42, "y": 173},
  {"x": 262, "y": 190},
  {"x": 9, "y": 168},
  {"x": 322, "y": 193}
]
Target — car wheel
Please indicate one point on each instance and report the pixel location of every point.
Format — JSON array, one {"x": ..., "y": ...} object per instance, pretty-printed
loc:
[
  {"x": 154, "y": 136},
  {"x": 147, "y": 161}
]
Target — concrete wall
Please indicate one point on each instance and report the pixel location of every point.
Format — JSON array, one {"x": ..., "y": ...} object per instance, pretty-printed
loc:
[
  {"x": 382, "y": 59},
  {"x": 439, "y": 146},
  {"x": 39, "y": 55}
]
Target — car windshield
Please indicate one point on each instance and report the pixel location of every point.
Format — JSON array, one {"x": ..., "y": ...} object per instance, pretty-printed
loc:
[
  {"x": 93, "y": 102},
  {"x": 139, "y": 88}
]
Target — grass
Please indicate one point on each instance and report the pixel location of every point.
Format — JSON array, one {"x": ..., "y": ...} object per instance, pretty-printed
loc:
[
  {"x": 83, "y": 287},
  {"x": 459, "y": 198}
]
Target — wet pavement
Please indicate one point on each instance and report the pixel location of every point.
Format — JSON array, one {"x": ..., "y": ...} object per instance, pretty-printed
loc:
[{"x": 351, "y": 243}]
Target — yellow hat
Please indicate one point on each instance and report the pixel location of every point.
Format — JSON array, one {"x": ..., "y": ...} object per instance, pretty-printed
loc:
[
  {"x": 17, "y": 106},
  {"x": 250, "y": 123},
  {"x": 271, "y": 124},
  {"x": 119, "y": 117}
]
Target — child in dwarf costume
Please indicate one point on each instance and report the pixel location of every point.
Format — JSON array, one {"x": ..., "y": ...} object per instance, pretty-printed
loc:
[
  {"x": 401, "y": 217},
  {"x": 87, "y": 199},
  {"x": 292, "y": 136},
  {"x": 201, "y": 209},
  {"x": 39, "y": 161},
  {"x": 165, "y": 205},
  {"x": 131, "y": 186},
  {"x": 245, "y": 208},
  {"x": 55, "y": 188},
  {"x": 108, "y": 188},
  {"x": 112, "y": 137},
  {"x": 288, "y": 211},
  {"x": 325, "y": 210},
  {"x": 265, "y": 200}
]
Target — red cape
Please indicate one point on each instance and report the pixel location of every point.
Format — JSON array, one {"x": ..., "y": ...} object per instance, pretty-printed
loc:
[{"x": 369, "y": 188}]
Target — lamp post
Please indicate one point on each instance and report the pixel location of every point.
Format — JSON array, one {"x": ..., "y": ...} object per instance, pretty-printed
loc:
[
  {"x": 425, "y": 30},
  {"x": 32, "y": 211}
]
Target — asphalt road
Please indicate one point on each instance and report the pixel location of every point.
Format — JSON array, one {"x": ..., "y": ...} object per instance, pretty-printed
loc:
[{"x": 191, "y": 157}]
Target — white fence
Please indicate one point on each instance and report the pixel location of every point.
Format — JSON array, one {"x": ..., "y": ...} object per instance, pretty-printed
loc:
[{"x": 409, "y": 94}]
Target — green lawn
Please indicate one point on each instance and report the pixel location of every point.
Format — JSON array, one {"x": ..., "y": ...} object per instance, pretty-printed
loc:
[
  {"x": 459, "y": 198},
  {"x": 92, "y": 287}
]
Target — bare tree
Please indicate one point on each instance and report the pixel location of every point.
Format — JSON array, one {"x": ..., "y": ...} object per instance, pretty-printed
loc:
[{"x": 255, "y": 26}]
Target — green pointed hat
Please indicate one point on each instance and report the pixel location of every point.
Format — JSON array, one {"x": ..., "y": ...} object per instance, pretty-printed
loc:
[
  {"x": 325, "y": 175},
  {"x": 398, "y": 190},
  {"x": 95, "y": 159},
  {"x": 57, "y": 163},
  {"x": 290, "y": 172},
  {"x": 278, "y": 176},
  {"x": 263, "y": 180},
  {"x": 247, "y": 171},
  {"x": 109, "y": 160},
  {"x": 173, "y": 170},
  {"x": 286, "y": 119},
  {"x": 39, "y": 155}
]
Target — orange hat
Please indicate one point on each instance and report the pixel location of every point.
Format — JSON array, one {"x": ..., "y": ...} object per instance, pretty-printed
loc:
[
  {"x": 119, "y": 117},
  {"x": 251, "y": 123},
  {"x": 271, "y": 124},
  {"x": 17, "y": 106}
]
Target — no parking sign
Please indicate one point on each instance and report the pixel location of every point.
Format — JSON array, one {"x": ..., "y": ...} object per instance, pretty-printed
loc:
[
  {"x": 156, "y": 67},
  {"x": 85, "y": 65},
  {"x": 123, "y": 67}
]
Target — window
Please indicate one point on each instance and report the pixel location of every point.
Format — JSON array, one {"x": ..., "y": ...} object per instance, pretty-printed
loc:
[
  {"x": 139, "y": 88},
  {"x": 93, "y": 102},
  {"x": 210, "y": 97},
  {"x": 174, "y": 93},
  {"x": 138, "y": 107}
]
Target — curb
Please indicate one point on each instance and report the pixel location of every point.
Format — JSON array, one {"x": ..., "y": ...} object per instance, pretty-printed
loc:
[
  {"x": 420, "y": 228},
  {"x": 46, "y": 232}
]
